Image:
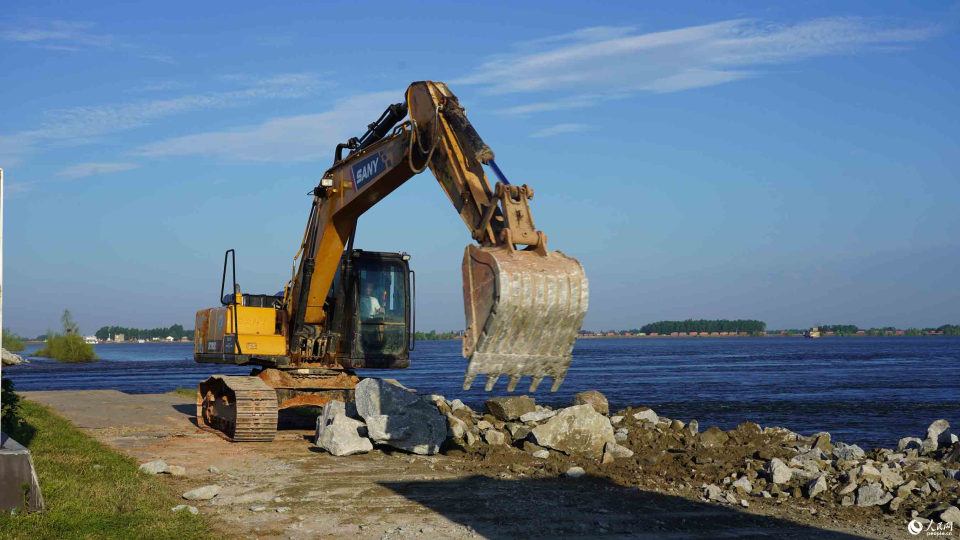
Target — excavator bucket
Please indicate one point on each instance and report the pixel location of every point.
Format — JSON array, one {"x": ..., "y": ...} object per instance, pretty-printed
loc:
[{"x": 523, "y": 313}]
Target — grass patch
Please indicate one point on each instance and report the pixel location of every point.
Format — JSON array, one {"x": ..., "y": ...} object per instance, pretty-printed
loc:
[
  {"x": 190, "y": 393},
  {"x": 112, "y": 501}
]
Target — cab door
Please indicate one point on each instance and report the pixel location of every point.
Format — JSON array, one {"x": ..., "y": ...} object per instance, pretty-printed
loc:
[{"x": 381, "y": 320}]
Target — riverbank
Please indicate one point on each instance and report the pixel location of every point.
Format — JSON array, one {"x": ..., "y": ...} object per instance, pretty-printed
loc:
[
  {"x": 90, "y": 490},
  {"x": 291, "y": 488},
  {"x": 863, "y": 391}
]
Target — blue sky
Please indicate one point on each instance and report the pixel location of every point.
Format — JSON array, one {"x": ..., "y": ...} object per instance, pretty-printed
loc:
[{"x": 796, "y": 164}]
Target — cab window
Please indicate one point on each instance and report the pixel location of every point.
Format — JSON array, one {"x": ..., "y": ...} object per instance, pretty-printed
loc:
[{"x": 381, "y": 311}]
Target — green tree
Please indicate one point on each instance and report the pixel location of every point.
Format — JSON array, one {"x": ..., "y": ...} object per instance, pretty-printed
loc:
[
  {"x": 66, "y": 322},
  {"x": 11, "y": 341},
  {"x": 69, "y": 346},
  {"x": 950, "y": 329},
  {"x": 10, "y": 418}
]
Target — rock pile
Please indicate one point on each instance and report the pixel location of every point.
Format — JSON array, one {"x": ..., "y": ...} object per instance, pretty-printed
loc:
[
  {"x": 919, "y": 480},
  {"x": 390, "y": 415}
]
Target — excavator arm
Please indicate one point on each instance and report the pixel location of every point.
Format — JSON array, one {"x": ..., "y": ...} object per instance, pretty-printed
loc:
[{"x": 524, "y": 305}]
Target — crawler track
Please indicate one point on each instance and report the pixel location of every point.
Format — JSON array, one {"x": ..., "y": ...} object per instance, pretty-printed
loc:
[{"x": 241, "y": 409}]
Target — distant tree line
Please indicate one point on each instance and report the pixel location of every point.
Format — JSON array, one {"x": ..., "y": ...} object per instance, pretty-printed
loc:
[
  {"x": 704, "y": 325},
  {"x": 839, "y": 329},
  {"x": 850, "y": 329},
  {"x": 433, "y": 335},
  {"x": 949, "y": 329},
  {"x": 176, "y": 332}
]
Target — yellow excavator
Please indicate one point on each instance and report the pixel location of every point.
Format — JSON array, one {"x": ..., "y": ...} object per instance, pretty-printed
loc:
[{"x": 346, "y": 309}]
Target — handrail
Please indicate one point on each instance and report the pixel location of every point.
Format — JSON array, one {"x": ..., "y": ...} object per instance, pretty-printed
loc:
[{"x": 223, "y": 283}]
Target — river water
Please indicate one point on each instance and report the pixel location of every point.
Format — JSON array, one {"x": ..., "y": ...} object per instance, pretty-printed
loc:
[{"x": 868, "y": 391}]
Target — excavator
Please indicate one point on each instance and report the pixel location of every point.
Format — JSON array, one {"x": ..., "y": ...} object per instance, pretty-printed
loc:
[{"x": 346, "y": 309}]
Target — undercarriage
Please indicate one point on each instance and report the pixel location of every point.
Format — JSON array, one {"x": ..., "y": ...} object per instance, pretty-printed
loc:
[{"x": 246, "y": 409}]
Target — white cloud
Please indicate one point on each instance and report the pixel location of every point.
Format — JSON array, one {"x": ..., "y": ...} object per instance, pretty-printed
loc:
[
  {"x": 559, "y": 129},
  {"x": 592, "y": 33},
  {"x": 83, "y": 170},
  {"x": 619, "y": 60},
  {"x": 79, "y": 124},
  {"x": 581, "y": 101},
  {"x": 289, "y": 138},
  {"x": 65, "y": 35},
  {"x": 89, "y": 121}
]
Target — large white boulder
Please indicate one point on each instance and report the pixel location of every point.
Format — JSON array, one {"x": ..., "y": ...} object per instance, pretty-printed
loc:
[
  {"x": 576, "y": 430},
  {"x": 10, "y": 359},
  {"x": 339, "y": 434}
]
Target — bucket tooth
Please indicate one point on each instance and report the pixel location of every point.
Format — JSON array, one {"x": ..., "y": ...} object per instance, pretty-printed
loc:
[
  {"x": 523, "y": 312},
  {"x": 491, "y": 380},
  {"x": 514, "y": 379},
  {"x": 534, "y": 383},
  {"x": 468, "y": 380}
]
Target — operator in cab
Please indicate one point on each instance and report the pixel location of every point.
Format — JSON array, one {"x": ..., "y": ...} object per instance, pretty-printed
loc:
[{"x": 369, "y": 305}]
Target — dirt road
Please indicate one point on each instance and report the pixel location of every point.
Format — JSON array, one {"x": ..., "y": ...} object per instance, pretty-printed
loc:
[{"x": 290, "y": 489}]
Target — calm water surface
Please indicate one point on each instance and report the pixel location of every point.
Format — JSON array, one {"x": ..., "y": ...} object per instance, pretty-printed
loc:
[{"x": 868, "y": 391}]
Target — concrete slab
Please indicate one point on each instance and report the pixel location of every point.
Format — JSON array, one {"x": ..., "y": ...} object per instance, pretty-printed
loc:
[{"x": 17, "y": 470}]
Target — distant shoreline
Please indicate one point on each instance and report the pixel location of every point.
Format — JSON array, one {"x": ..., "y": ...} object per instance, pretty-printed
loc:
[{"x": 799, "y": 336}]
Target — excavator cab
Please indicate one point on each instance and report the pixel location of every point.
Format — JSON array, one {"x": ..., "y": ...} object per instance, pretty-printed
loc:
[{"x": 375, "y": 305}]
